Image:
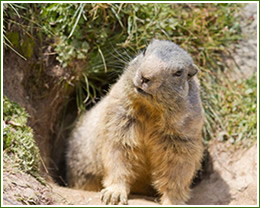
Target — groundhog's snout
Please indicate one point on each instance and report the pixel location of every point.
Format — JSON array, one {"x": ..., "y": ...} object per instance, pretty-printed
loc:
[{"x": 142, "y": 83}]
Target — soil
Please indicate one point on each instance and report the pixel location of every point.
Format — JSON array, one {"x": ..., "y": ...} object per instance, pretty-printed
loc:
[
  {"x": 232, "y": 179},
  {"x": 242, "y": 60},
  {"x": 232, "y": 182}
]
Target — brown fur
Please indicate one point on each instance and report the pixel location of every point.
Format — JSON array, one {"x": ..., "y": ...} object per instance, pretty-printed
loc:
[{"x": 145, "y": 132}]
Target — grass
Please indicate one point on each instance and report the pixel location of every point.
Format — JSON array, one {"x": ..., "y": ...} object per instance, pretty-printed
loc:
[
  {"x": 239, "y": 110},
  {"x": 102, "y": 37},
  {"x": 234, "y": 116},
  {"x": 18, "y": 139}
]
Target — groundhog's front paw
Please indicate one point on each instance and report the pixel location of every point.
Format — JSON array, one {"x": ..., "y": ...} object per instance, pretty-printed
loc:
[{"x": 114, "y": 195}]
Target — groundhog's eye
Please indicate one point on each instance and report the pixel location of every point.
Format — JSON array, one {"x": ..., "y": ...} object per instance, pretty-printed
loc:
[{"x": 178, "y": 73}]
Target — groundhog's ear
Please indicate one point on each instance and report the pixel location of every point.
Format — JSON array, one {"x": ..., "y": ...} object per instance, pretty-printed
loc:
[{"x": 192, "y": 71}]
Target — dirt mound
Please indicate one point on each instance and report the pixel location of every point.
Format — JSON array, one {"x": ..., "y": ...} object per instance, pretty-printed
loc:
[
  {"x": 20, "y": 188},
  {"x": 234, "y": 179},
  {"x": 232, "y": 182}
]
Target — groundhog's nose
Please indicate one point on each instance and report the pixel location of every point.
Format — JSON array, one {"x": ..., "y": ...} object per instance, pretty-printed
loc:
[
  {"x": 144, "y": 80},
  {"x": 141, "y": 81}
]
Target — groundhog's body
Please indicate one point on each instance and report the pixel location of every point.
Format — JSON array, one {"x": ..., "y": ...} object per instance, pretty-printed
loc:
[{"x": 145, "y": 132}]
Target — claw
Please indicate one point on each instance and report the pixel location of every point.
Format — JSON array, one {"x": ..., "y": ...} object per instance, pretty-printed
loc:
[
  {"x": 102, "y": 195},
  {"x": 107, "y": 198},
  {"x": 115, "y": 198},
  {"x": 123, "y": 200}
]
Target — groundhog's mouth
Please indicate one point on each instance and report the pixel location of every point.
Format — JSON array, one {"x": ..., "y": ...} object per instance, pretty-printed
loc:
[{"x": 141, "y": 91}]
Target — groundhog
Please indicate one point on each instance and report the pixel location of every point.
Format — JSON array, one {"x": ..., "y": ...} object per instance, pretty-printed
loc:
[{"x": 145, "y": 134}]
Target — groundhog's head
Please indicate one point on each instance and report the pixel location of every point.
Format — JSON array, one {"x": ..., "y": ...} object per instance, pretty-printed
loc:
[{"x": 163, "y": 71}]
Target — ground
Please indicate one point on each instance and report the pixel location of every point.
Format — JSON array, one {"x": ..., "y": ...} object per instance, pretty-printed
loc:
[{"x": 232, "y": 180}]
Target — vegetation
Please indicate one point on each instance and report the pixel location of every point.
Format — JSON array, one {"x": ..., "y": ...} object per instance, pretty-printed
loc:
[
  {"x": 18, "y": 140},
  {"x": 234, "y": 116},
  {"x": 104, "y": 37}
]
